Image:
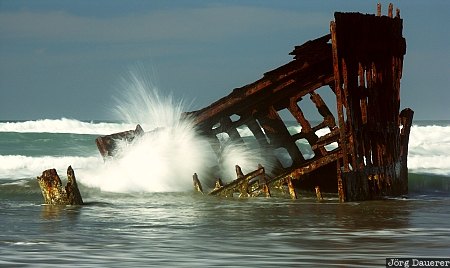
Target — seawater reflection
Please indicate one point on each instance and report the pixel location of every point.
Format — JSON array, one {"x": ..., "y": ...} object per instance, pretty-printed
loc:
[{"x": 189, "y": 230}]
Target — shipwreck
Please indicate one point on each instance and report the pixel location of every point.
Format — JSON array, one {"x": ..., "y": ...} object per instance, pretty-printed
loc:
[{"x": 363, "y": 154}]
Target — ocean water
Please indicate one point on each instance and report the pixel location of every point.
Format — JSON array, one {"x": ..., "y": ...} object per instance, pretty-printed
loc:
[
  {"x": 141, "y": 211},
  {"x": 151, "y": 216}
]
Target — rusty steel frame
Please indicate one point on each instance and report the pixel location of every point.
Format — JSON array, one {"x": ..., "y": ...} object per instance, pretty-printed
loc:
[
  {"x": 363, "y": 67},
  {"x": 361, "y": 62}
]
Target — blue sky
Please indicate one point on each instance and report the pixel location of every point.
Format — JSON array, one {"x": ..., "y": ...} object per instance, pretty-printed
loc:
[{"x": 63, "y": 58}]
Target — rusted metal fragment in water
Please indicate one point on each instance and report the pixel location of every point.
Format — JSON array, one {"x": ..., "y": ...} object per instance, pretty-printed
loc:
[
  {"x": 72, "y": 191},
  {"x": 197, "y": 184},
  {"x": 292, "y": 191},
  {"x": 318, "y": 193},
  {"x": 108, "y": 144},
  {"x": 246, "y": 185},
  {"x": 53, "y": 191}
]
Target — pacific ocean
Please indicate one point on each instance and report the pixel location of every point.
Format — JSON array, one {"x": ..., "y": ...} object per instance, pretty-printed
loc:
[{"x": 141, "y": 221}]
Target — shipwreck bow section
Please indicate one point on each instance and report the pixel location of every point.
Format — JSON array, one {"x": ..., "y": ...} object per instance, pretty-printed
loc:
[{"x": 364, "y": 153}]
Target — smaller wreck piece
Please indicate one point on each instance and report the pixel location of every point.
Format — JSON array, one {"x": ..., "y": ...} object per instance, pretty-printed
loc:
[
  {"x": 53, "y": 191},
  {"x": 252, "y": 184},
  {"x": 108, "y": 144}
]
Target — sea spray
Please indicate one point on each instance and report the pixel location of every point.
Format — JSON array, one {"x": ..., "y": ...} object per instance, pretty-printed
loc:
[
  {"x": 162, "y": 161},
  {"x": 171, "y": 151},
  {"x": 231, "y": 154},
  {"x": 140, "y": 102}
]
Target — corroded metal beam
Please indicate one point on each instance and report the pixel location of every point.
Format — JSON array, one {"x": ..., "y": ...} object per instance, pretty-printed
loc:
[{"x": 242, "y": 185}]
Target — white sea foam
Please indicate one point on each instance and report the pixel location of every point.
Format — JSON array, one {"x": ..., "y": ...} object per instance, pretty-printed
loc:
[
  {"x": 64, "y": 125},
  {"x": 168, "y": 159},
  {"x": 429, "y": 150},
  {"x": 165, "y": 159},
  {"x": 20, "y": 166}
]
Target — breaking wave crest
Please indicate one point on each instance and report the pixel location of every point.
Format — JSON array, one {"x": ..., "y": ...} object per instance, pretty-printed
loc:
[
  {"x": 171, "y": 151},
  {"x": 21, "y": 166},
  {"x": 429, "y": 150},
  {"x": 63, "y": 125}
]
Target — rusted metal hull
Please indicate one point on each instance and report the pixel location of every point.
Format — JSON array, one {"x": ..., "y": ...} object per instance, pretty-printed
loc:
[
  {"x": 363, "y": 154},
  {"x": 363, "y": 67}
]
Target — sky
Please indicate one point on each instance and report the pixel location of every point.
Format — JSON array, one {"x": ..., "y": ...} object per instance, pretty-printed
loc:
[{"x": 64, "y": 58}]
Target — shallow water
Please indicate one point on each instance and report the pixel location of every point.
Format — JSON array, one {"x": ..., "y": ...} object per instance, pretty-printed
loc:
[{"x": 190, "y": 230}]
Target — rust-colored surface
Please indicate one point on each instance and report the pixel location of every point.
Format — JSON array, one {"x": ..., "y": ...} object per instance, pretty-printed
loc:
[
  {"x": 107, "y": 144},
  {"x": 362, "y": 154},
  {"x": 367, "y": 70},
  {"x": 361, "y": 62},
  {"x": 72, "y": 191},
  {"x": 53, "y": 191},
  {"x": 251, "y": 184}
]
